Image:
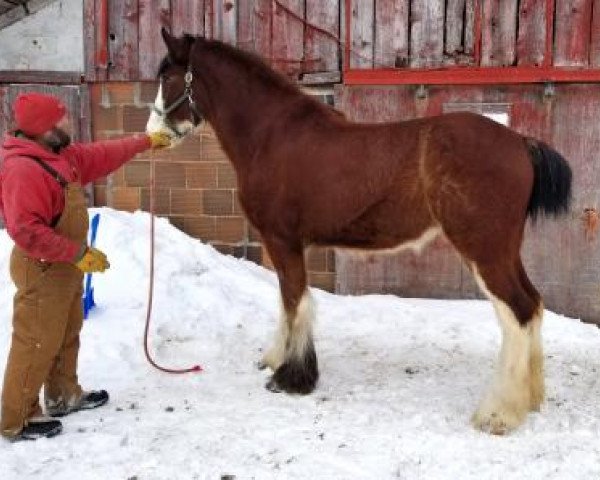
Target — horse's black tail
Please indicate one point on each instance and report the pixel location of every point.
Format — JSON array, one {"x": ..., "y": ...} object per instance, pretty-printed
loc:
[{"x": 551, "y": 193}]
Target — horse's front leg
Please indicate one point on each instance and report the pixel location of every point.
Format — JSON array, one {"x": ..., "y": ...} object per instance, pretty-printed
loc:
[{"x": 292, "y": 356}]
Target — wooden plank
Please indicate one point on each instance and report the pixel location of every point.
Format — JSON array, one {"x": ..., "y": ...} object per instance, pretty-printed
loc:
[
  {"x": 123, "y": 40},
  {"x": 4, "y": 125},
  {"x": 345, "y": 33},
  {"x": 320, "y": 78},
  {"x": 362, "y": 34},
  {"x": 324, "y": 49},
  {"x": 102, "y": 26},
  {"x": 4, "y": 107},
  {"x": 262, "y": 28},
  {"x": 187, "y": 17},
  {"x": 226, "y": 20},
  {"x": 85, "y": 114},
  {"x": 499, "y": 32},
  {"x": 245, "y": 34},
  {"x": 455, "y": 13},
  {"x": 85, "y": 132},
  {"x": 427, "y": 33},
  {"x": 288, "y": 36},
  {"x": 470, "y": 14},
  {"x": 531, "y": 42},
  {"x": 36, "y": 76},
  {"x": 572, "y": 32},
  {"x": 89, "y": 40},
  {"x": 471, "y": 76},
  {"x": 459, "y": 25},
  {"x": 209, "y": 18},
  {"x": 391, "y": 33},
  {"x": 153, "y": 15},
  {"x": 455, "y": 25},
  {"x": 595, "y": 41}
]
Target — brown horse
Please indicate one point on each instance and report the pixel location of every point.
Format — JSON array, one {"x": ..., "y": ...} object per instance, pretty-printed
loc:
[{"x": 307, "y": 176}]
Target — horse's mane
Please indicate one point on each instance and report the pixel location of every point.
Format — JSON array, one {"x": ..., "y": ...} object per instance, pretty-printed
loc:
[{"x": 254, "y": 66}]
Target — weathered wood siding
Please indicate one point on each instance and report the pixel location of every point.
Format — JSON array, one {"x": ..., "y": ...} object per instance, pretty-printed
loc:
[
  {"x": 306, "y": 37},
  {"x": 273, "y": 28}
]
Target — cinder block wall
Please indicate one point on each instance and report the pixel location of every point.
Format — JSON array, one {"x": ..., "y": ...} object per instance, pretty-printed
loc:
[{"x": 196, "y": 186}]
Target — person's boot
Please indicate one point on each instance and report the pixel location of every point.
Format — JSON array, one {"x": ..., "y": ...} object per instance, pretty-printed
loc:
[
  {"x": 39, "y": 427},
  {"x": 87, "y": 401}
]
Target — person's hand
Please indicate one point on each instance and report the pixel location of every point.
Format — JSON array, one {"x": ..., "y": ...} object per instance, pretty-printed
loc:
[
  {"x": 159, "y": 140},
  {"x": 93, "y": 260}
]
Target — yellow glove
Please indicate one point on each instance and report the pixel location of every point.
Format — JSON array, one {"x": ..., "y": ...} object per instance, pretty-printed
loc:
[
  {"x": 93, "y": 260},
  {"x": 159, "y": 140}
]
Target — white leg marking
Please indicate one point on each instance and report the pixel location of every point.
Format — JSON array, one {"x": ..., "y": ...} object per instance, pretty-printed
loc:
[
  {"x": 301, "y": 327},
  {"x": 536, "y": 362},
  {"x": 292, "y": 343},
  {"x": 505, "y": 406},
  {"x": 416, "y": 245},
  {"x": 275, "y": 355}
]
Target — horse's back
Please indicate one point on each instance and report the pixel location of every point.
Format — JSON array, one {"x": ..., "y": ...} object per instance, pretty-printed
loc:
[{"x": 477, "y": 143}]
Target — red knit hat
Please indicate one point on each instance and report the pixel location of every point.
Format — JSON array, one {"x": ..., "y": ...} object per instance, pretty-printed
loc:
[{"x": 36, "y": 113}]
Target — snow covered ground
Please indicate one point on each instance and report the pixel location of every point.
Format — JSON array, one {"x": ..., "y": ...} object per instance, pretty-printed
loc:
[{"x": 399, "y": 381}]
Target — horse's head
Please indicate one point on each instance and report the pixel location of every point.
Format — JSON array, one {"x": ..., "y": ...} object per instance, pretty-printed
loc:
[{"x": 175, "y": 109}]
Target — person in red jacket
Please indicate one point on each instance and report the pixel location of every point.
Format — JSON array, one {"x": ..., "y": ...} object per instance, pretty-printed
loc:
[{"x": 44, "y": 210}]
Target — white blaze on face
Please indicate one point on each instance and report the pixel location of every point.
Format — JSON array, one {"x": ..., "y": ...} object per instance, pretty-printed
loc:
[{"x": 155, "y": 122}]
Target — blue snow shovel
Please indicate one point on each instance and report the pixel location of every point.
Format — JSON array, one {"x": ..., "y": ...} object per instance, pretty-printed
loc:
[{"x": 88, "y": 293}]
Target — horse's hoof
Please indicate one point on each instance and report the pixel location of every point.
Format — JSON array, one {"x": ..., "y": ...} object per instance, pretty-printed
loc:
[
  {"x": 261, "y": 365},
  {"x": 492, "y": 424},
  {"x": 283, "y": 383},
  {"x": 498, "y": 418},
  {"x": 271, "y": 386},
  {"x": 296, "y": 375},
  {"x": 271, "y": 360}
]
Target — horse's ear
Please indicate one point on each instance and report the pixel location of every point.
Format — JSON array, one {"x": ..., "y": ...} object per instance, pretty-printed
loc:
[
  {"x": 169, "y": 40},
  {"x": 178, "y": 47}
]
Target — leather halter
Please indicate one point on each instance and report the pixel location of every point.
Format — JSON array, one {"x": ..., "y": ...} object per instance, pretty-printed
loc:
[{"x": 196, "y": 115}]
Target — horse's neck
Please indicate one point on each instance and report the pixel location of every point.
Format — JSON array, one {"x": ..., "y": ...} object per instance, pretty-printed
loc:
[{"x": 243, "y": 111}]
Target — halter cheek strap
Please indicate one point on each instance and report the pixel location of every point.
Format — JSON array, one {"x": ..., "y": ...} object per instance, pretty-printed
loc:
[{"x": 186, "y": 95}]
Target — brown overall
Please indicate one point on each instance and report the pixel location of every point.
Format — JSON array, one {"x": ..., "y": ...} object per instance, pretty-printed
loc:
[{"x": 47, "y": 319}]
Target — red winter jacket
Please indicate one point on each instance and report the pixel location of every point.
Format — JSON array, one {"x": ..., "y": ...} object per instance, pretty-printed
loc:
[{"x": 30, "y": 198}]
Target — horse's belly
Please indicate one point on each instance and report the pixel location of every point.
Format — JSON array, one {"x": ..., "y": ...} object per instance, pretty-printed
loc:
[
  {"x": 416, "y": 244},
  {"x": 386, "y": 244}
]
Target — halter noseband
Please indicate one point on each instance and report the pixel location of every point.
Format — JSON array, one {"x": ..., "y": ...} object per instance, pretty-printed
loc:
[{"x": 196, "y": 116}]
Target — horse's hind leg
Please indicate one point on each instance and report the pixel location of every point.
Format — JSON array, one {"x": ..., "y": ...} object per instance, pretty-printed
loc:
[
  {"x": 518, "y": 385},
  {"x": 292, "y": 357},
  {"x": 536, "y": 354},
  {"x": 536, "y": 362}
]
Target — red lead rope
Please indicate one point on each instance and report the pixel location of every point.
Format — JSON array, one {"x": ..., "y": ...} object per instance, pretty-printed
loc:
[{"x": 195, "y": 368}]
